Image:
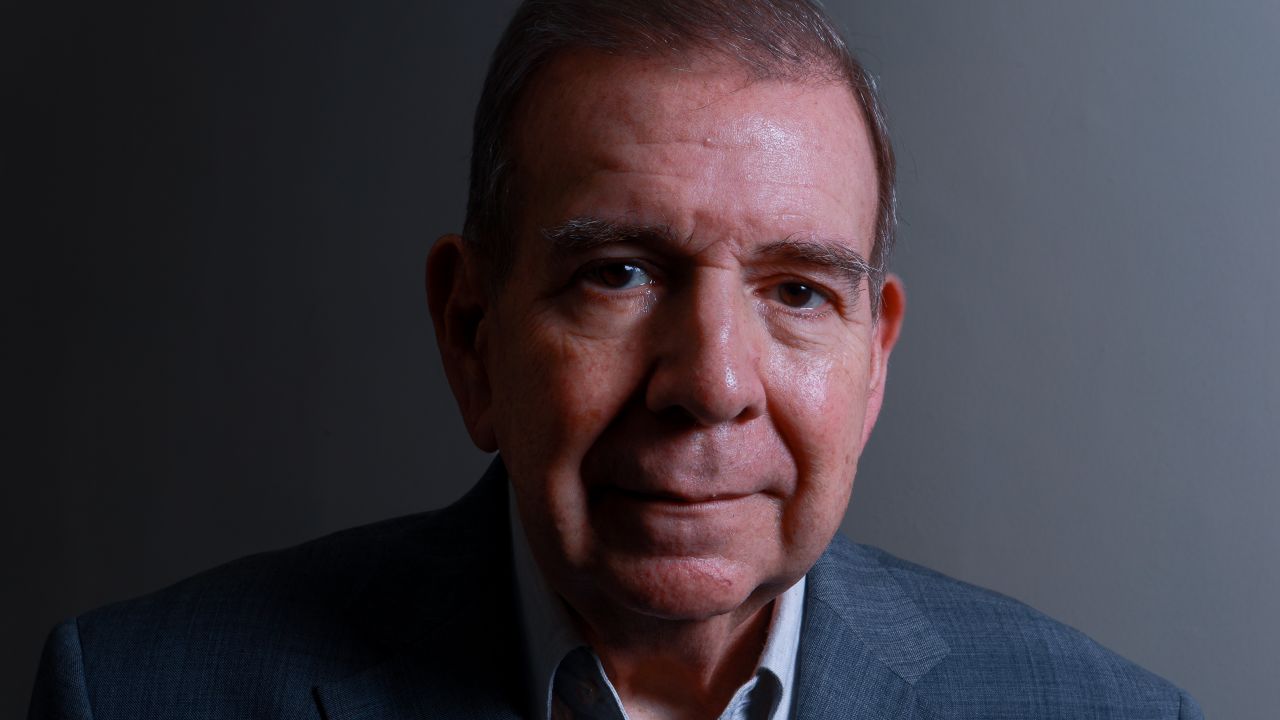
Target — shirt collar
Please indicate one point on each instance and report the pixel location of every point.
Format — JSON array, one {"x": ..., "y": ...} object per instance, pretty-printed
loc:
[{"x": 550, "y": 636}]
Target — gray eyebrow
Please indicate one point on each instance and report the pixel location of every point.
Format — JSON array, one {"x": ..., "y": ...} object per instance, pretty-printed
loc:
[
  {"x": 585, "y": 233},
  {"x": 829, "y": 254}
]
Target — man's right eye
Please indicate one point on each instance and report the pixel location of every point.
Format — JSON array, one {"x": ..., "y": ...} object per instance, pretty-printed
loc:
[{"x": 618, "y": 275}]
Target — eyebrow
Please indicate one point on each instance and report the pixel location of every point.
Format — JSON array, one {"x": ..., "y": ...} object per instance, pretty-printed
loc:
[
  {"x": 829, "y": 254},
  {"x": 587, "y": 233},
  {"x": 583, "y": 234}
]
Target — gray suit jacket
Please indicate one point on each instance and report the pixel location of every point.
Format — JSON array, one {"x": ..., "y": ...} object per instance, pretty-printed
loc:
[{"x": 416, "y": 617}]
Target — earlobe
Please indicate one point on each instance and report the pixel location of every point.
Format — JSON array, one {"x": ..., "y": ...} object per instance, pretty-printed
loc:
[{"x": 458, "y": 303}]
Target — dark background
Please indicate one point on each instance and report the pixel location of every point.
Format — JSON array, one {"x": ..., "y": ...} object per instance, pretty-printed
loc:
[{"x": 217, "y": 343}]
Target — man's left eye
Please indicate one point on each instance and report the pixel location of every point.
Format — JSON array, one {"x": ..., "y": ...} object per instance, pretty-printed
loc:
[
  {"x": 619, "y": 275},
  {"x": 799, "y": 295}
]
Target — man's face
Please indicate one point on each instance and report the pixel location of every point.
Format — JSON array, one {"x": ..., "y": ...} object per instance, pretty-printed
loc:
[{"x": 683, "y": 367}]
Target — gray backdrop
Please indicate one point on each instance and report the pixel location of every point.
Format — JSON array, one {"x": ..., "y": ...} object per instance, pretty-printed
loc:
[{"x": 219, "y": 342}]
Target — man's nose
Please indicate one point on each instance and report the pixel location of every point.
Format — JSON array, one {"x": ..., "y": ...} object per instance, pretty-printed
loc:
[{"x": 709, "y": 352}]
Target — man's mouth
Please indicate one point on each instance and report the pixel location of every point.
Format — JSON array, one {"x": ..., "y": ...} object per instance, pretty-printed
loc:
[{"x": 679, "y": 498}]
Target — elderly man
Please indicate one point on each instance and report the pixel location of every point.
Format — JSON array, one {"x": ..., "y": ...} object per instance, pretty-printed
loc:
[{"x": 669, "y": 314}]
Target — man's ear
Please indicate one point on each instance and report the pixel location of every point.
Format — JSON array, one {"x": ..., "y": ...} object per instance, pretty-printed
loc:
[
  {"x": 458, "y": 301},
  {"x": 884, "y": 334}
]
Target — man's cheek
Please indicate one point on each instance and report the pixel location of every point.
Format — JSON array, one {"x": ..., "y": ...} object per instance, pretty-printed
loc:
[
  {"x": 592, "y": 316},
  {"x": 583, "y": 381},
  {"x": 814, "y": 385},
  {"x": 819, "y": 410}
]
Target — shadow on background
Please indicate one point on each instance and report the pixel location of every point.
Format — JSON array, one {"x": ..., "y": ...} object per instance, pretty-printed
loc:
[{"x": 223, "y": 345}]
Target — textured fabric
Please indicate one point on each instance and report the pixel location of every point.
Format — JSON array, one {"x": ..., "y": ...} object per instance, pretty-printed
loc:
[
  {"x": 550, "y": 640},
  {"x": 581, "y": 691},
  {"x": 416, "y": 618}
]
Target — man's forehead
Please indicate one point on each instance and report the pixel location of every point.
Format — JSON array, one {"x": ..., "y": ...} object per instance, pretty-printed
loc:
[
  {"x": 578, "y": 87},
  {"x": 590, "y": 119}
]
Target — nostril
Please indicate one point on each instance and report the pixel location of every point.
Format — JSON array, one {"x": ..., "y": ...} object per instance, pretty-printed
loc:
[
  {"x": 750, "y": 412},
  {"x": 675, "y": 416}
]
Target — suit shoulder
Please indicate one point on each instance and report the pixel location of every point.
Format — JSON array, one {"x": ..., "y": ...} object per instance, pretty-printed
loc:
[
  {"x": 946, "y": 598},
  {"x": 251, "y": 638},
  {"x": 329, "y": 569},
  {"x": 240, "y": 624},
  {"x": 1032, "y": 665}
]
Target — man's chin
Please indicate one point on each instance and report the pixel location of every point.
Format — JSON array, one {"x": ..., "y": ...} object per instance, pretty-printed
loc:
[{"x": 679, "y": 588}]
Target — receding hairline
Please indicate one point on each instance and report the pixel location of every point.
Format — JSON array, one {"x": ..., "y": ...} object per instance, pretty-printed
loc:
[
  {"x": 695, "y": 60},
  {"x": 699, "y": 61}
]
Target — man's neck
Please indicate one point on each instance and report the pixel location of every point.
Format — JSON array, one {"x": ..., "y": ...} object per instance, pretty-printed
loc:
[{"x": 678, "y": 669}]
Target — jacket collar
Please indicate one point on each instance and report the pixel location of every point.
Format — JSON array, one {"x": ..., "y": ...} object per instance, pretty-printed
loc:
[{"x": 864, "y": 643}]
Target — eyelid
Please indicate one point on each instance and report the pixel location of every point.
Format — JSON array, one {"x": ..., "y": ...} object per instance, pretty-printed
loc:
[
  {"x": 587, "y": 268},
  {"x": 836, "y": 300}
]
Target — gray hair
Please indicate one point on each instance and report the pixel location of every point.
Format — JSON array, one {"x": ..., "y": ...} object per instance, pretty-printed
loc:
[{"x": 782, "y": 39}]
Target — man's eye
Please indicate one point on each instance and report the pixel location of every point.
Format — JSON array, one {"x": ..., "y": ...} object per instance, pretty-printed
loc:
[
  {"x": 619, "y": 275},
  {"x": 801, "y": 296}
]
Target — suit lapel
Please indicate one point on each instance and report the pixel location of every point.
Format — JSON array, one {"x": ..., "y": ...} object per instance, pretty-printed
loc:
[
  {"x": 864, "y": 643},
  {"x": 442, "y": 612}
]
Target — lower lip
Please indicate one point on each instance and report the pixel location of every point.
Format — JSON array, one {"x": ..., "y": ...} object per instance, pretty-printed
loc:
[{"x": 665, "y": 525}]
